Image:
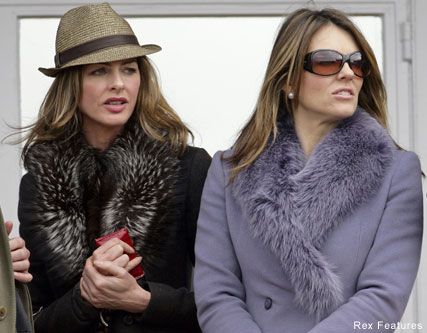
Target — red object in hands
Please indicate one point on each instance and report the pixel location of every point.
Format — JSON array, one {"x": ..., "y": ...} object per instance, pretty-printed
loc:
[{"x": 123, "y": 235}]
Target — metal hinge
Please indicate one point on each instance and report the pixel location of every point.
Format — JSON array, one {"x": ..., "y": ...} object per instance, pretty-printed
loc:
[{"x": 406, "y": 36}]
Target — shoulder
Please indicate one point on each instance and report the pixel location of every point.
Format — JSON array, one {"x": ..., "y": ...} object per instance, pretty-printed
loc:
[
  {"x": 407, "y": 159},
  {"x": 220, "y": 162},
  {"x": 47, "y": 155},
  {"x": 219, "y": 170},
  {"x": 38, "y": 153},
  {"x": 403, "y": 181},
  {"x": 195, "y": 160},
  {"x": 45, "y": 149},
  {"x": 195, "y": 153},
  {"x": 406, "y": 168}
]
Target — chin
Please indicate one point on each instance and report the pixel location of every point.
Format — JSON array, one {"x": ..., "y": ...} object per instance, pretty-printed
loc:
[
  {"x": 117, "y": 121},
  {"x": 344, "y": 113}
]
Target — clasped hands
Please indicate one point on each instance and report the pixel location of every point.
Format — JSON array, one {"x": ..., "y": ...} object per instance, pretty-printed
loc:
[
  {"x": 20, "y": 256},
  {"x": 106, "y": 282}
]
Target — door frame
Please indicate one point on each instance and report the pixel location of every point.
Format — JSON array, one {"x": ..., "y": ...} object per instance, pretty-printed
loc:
[{"x": 404, "y": 28}]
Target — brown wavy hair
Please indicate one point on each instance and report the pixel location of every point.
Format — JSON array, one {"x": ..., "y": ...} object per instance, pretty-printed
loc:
[
  {"x": 59, "y": 115},
  {"x": 284, "y": 70}
]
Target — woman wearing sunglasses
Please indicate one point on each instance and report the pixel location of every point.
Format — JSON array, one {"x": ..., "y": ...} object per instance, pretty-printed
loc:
[
  {"x": 312, "y": 222},
  {"x": 107, "y": 152}
]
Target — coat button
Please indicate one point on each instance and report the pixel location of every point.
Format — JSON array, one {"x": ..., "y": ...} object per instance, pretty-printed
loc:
[
  {"x": 128, "y": 320},
  {"x": 268, "y": 303},
  {"x": 3, "y": 312}
]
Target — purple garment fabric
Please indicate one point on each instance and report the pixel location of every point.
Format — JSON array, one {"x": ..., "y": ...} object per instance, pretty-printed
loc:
[{"x": 317, "y": 245}]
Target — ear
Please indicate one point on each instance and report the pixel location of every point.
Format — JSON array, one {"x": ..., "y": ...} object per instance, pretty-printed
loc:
[
  {"x": 288, "y": 92},
  {"x": 287, "y": 89}
]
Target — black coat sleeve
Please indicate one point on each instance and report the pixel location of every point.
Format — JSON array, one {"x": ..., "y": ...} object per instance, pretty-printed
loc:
[
  {"x": 54, "y": 313},
  {"x": 177, "y": 306}
]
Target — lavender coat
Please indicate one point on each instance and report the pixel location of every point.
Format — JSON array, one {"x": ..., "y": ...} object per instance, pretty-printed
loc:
[{"x": 324, "y": 245}]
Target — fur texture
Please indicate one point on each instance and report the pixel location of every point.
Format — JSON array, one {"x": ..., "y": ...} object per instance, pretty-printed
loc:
[
  {"x": 82, "y": 193},
  {"x": 293, "y": 203}
]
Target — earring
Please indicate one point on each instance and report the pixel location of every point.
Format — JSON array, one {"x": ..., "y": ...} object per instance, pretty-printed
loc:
[{"x": 291, "y": 95}]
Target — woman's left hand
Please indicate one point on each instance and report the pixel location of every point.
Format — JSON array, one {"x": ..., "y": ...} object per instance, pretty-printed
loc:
[
  {"x": 20, "y": 256},
  {"x": 107, "y": 285}
]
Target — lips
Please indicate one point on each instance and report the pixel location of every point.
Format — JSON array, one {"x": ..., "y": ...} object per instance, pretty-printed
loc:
[
  {"x": 116, "y": 101},
  {"x": 344, "y": 92},
  {"x": 115, "y": 104}
]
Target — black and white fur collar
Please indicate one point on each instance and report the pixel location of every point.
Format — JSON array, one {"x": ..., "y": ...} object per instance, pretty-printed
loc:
[
  {"x": 293, "y": 202},
  {"x": 82, "y": 193}
]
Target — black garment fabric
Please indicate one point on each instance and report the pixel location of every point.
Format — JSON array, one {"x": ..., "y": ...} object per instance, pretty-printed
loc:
[
  {"x": 56, "y": 299},
  {"x": 23, "y": 323}
]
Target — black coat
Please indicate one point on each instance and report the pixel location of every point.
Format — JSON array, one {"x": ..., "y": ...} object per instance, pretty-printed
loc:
[{"x": 74, "y": 193}]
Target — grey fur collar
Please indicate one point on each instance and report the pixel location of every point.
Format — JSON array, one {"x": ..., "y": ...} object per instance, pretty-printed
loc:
[
  {"x": 293, "y": 203},
  {"x": 82, "y": 193}
]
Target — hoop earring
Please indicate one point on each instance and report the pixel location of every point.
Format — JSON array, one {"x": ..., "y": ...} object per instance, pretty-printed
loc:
[{"x": 291, "y": 95}]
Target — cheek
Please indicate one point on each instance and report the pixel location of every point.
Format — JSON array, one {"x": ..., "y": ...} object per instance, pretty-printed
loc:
[
  {"x": 89, "y": 96},
  {"x": 313, "y": 88},
  {"x": 135, "y": 87},
  {"x": 359, "y": 86}
]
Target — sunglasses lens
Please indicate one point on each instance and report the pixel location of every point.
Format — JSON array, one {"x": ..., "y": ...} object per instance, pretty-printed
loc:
[
  {"x": 330, "y": 62},
  {"x": 325, "y": 62},
  {"x": 358, "y": 65}
]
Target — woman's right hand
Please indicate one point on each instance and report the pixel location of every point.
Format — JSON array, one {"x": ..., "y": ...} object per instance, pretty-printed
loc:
[{"x": 106, "y": 282}]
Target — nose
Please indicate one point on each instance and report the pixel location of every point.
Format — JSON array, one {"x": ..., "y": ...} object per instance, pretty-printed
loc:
[
  {"x": 117, "y": 82},
  {"x": 346, "y": 72}
]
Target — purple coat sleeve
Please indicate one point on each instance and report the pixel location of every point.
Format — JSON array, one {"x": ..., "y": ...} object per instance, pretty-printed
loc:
[
  {"x": 217, "y": 281},
  {"x": 385, "y": 283}
]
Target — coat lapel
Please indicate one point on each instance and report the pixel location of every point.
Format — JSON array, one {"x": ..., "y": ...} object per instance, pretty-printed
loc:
[{"x": 293, "y": 203}]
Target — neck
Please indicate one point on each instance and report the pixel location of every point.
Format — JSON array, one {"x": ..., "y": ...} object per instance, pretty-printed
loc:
[
  {"x": 311, "y": 130},
  {"x": 100, "y": 138}
]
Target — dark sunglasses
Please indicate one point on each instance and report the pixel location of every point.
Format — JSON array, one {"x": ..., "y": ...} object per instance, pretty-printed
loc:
[{"x": 330, "y": 62}]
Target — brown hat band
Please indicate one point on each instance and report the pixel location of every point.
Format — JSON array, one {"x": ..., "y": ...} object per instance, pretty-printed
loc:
[{"x": 92, "y": 46}]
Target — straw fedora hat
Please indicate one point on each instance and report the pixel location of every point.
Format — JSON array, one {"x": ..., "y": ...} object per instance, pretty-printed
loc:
[{"x": 92, "y": 34}]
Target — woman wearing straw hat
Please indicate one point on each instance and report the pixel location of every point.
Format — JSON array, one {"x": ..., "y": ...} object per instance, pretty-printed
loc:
[{"x": 108, "y": 152}]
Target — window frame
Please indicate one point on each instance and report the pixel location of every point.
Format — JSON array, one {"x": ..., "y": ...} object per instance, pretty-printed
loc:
[{"x": 406, "y": 96}]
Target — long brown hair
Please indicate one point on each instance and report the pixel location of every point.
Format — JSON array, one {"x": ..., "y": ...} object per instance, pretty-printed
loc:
[
  {"x": 284, "y": 70},
  {"x": 59, "y": 115}
]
